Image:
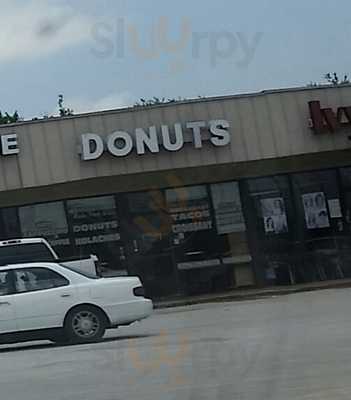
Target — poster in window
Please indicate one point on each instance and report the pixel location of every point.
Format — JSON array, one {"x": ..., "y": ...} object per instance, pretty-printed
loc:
[
  {"x": 228, "y": 209},
  {"x": 189, "y": 209},
  {"x": 93, "y": 220},
  {"x": 46, "y": 220},
  {"x": 316, "y": 212},
  {"x": 334, "y": 208},
  {"x": 274, "y": 215}
]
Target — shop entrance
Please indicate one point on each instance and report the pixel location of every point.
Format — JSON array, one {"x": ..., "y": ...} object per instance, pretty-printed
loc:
[
  {"x": 147, "y": 231},
  {"x": 270, "y": 215},
  {"x": 319, "y": 225}
]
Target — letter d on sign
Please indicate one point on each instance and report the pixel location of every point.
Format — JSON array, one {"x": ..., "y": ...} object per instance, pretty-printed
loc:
[{"x": 92, "y": 146}]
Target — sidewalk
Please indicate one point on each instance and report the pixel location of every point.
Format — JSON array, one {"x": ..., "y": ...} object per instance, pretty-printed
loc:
[{"x": 250, "y": 294}]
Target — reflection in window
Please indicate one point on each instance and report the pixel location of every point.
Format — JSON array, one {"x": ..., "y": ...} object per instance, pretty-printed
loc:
[
  {"x": 47, "y": 220},
  {"x": 189, "y": 208},
  {"x": 25, "y": 253},
  {"x": 93, "y": 220},
  {"x": 10, "y": 228},
  {"x": 96, "y": 229},
  {"x": 227, "y": 206},
  {"x": 148, "y": 223},
  {"x": 232, "y": 243},
  {"x": 193, "y": 238}
]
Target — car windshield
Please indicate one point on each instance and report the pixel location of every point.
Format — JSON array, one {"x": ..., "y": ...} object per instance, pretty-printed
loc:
[{"x": 24, "y": 253}]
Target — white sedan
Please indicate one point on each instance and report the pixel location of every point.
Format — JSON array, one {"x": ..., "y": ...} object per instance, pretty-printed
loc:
[{"x": 51, "y": 301}]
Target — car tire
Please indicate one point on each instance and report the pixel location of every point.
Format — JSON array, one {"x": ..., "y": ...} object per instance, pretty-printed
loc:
[{"x": 85, "y": 324}]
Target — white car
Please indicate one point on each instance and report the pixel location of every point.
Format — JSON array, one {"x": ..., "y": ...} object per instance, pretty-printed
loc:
[{"x": 51, "y": 301}]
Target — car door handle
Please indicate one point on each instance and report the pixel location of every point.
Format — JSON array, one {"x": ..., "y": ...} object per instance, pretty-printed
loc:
[
  {"x": 65, "y": 295},
  {"x": 4, "y": 303}
]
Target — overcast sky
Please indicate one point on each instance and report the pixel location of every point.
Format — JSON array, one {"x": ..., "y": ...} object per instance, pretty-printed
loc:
[{"x": 105, "y": 54}]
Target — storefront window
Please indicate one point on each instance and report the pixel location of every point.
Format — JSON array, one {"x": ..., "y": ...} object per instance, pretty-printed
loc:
[
  {"x": 344, "y": 210},
  {"x": 147, "y": 228},
  {"x": 47, "y": 220},
  {"x": 192, "y": 221},
  {"x": 346, "y": 186},
  {"x": 227, "y": 207},
  {"x": 10, "y": 227},
  {"x": 231, "y": 237},
  {"x": 320, "y": 222},
  {"x": 317, "y": 197},
  {"x": 194, "y": 238},
  {"x": 95, "y": 229},
  {"x": 271, "y": 215},
  {"x": 149, "y": 220}
]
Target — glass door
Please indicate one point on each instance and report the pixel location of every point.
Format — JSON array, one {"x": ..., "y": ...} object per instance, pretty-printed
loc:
[
  {"x": 146, "y": 227},
  {"x": 320, "y": 225},
  {"x": 270, "y": 214}
]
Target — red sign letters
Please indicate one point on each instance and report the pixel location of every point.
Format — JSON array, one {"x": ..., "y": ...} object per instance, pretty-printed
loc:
[{"x": 326, "y": 120}]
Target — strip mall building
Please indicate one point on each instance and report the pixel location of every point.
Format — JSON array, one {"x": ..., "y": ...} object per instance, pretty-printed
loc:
[{"x": 196, "y": 196}]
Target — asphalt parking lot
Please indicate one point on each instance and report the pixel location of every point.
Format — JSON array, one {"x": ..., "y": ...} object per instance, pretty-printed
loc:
[{"x": 290, "y": 347}]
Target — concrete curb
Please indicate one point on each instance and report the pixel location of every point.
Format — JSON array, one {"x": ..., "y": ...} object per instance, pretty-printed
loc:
[{"x": 250, "y": 295}]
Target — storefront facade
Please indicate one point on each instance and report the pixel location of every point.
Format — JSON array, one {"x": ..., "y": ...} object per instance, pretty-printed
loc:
[{"x": 193, "y": 197}]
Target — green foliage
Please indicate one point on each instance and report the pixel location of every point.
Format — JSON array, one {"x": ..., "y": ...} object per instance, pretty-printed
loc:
[
  {"x": 335, "y": 80},
  {"x": 64, "y": 112},
  {"x": 8, "y": 118},
  {"x": 332, "y": 79}
]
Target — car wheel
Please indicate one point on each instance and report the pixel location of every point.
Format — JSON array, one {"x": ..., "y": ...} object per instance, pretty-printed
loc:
[{"x": 85, "y": 324}]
